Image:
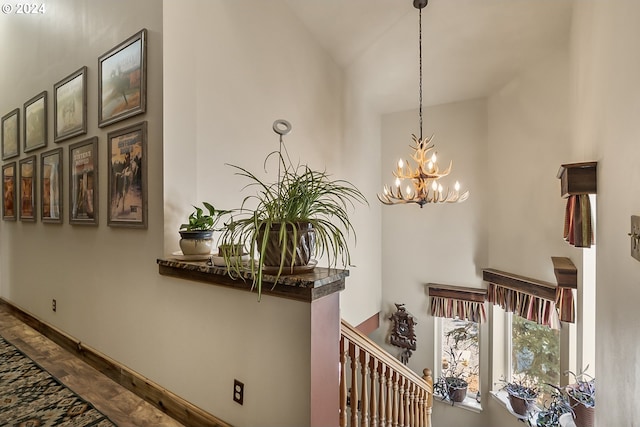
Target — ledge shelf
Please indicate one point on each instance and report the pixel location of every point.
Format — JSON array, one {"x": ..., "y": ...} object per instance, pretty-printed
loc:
[{"x": 305, "y": 287}]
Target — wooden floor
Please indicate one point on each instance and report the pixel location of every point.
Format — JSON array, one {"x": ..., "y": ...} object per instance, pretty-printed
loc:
[{"x": 124, "y": 408}]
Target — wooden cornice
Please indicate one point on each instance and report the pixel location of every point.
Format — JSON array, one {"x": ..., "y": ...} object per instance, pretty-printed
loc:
[
  {"x": 535, "y": 287},
  {"x": 457, "y": 292},
  {"x": 566, "y": 272}
]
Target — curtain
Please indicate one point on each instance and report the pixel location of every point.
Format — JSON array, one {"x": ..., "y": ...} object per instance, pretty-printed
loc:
[
  {"x": 458, "y": 302},
  {"x": 578, "y": 227},
  {"x": 530, "y": 307}
]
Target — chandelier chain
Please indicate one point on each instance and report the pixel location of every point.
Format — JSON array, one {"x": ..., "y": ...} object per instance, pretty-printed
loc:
[{"x": 420, "y": 55}]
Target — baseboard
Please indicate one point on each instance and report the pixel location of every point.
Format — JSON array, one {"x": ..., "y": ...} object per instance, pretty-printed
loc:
[{"x": 169, "y": 403}]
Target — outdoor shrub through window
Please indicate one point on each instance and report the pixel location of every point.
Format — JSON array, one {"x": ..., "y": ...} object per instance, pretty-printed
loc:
[
  {"x": 460, "y": 352},
  {"x": 535, "y": 355}
]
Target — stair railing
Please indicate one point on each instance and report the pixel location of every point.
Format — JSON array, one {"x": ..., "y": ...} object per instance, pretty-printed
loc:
[{"x": 376, "y": 390}]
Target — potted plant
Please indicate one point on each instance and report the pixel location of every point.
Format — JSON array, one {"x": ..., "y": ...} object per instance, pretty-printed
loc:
[
  {"x": 582, "y": 397},
  {"x": 453, "y": 382},
  {"x": 522, "y": 396},
  {"x": 286, "y": 223},
  {"x": 197, "y": 234},
  {"x": 553, "y": 409}
]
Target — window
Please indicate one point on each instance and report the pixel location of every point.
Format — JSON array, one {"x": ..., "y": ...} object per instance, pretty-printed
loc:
[
  {"x": 535, "y": 355},
  {"x": 459, "y": 353}
]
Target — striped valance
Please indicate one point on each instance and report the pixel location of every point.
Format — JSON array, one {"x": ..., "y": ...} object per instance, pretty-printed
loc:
[
  {"x": 457, "y": 302},
  {"x": 534, "y": 300}
]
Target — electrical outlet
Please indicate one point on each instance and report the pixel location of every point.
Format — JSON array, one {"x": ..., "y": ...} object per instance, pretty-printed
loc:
[
  {"x": 238, "y": 391},
  {"x": 54, "y": 305}
]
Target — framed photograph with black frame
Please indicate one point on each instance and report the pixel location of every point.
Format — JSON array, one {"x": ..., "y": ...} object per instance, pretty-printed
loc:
[
  {"x": 35, "y": 122},
  {"x": 51, "y": 186},
  {"x": 122, "y": 80},
  {"x": 9, "y": 191},
  {"x": 83, "y": 182},
  {"x": 70, "y": 106},
  {"x": 28, "y": 183},
  {"x": 11, "y": 134},
  {"x": 127, "y": 187}
]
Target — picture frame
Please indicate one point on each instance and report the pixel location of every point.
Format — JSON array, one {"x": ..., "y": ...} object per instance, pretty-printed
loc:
[
  {"x": 51, "y": 186},
  {"x": 127, "y": 185},
  {"x": 70, "y": 106},
  {"x": 122, "y": 80},
  {"x": 35, "y": 122},
  {"x": 10, "y": 130},
  {"x": 83, "y": 182},
  {"x": 28, "y": 182},
  {"x": 9, "y": 191}
]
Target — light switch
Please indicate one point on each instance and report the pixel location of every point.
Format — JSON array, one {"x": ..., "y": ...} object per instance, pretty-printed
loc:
[{"x": 635, "y": 236}]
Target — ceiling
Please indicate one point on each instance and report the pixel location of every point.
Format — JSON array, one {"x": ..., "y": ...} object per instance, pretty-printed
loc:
[{"x": 470, "y": 47}]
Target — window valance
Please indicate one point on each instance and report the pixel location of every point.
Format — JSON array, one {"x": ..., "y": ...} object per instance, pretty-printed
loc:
[
  {"x": 535, "y": 300},
  {"x": 458, "y": 302}
]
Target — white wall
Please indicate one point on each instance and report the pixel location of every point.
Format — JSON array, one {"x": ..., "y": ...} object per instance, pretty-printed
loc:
[
  {"x": 213, "y": 94},
  {"x": 605, "y": 66}
]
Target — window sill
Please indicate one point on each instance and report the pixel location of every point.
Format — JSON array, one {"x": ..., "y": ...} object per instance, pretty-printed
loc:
[{"x": 469, "y": 403}]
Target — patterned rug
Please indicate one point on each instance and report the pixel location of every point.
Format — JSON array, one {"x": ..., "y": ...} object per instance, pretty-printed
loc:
[{"x": 31, "y": 397}]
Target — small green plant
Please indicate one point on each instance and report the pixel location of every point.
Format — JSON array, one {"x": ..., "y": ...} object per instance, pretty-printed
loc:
[{"x": 201, "y": 221}]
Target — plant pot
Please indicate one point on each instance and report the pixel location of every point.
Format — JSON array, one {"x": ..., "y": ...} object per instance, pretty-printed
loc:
[
  {"x": 520, "y": 405},
  {"x": 230, "y": 250},
  {"x": 456, "y": 389},
  {"x": 196, "y": 242},
  {"x": 298, "y": 252},
  {"x": 585, "y": 415}
]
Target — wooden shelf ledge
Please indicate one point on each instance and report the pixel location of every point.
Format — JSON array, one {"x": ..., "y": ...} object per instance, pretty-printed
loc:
[
  {"x": 538, "y": 288},
  {"x": 306, "y": 287},
  {"x": 566, "y": 272}
]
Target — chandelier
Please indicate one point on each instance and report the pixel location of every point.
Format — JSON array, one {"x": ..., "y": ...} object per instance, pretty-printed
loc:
[{"x": 424, "y": 186}]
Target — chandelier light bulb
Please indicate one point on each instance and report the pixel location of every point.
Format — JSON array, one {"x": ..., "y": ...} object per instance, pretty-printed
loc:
[
  {"x": 400, "y": 164},
  {"x": 457, "y": 186},
  {"x": 397, "y": 182},
  {"x": 408, "y": 190},
  {"x": 430, "y": 166},
  {"x": 440, "y": 188},
  {"x": 434, "y": 186},
  {"x": 434, "y": 158}
]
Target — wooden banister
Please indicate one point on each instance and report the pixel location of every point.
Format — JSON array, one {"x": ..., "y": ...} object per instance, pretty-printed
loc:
[{"x": 380, "y": 390}]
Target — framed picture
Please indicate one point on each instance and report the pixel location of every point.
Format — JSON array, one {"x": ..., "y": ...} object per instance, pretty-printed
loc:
[
  {"x": 9, "y": 191},
  {"x": 127, "y": 150},
  {"x": 11, "y": 134},
  {"x": 122, "y": 80},
  {"x": 51, "y": 186},
  {"x": 83, "y": 182},
  {"x": 28, "y": 189},
  {"x": 70, "y": 106},
  {"x": 35, "y": 122}
]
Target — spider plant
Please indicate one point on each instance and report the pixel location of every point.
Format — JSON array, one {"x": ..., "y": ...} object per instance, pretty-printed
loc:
[{"x": 283, "y": 224}]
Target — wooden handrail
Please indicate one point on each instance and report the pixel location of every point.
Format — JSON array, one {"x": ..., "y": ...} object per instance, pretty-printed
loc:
[{"x": 380, "y": 391}]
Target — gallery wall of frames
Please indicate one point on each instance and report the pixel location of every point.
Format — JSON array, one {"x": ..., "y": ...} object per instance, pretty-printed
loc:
[{"x": 33, "y": 160}]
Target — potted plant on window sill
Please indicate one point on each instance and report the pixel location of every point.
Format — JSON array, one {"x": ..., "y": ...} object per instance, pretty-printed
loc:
[
  {"x": 303, "y": 214},
  {"x": 558, "y": 405},
  {"x": 521, "y": 395},
  {"x": 582, "y": 398},
  {"x": 197, "y": 234}
]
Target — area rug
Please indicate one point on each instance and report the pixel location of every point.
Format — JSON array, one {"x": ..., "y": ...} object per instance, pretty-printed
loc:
[{"x": 31, "y": 397}]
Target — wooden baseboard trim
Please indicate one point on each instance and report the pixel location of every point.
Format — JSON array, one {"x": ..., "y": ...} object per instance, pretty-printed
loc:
[
  {"x": 369, "y": 325},
  {"x": 169, "y": 403}
]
